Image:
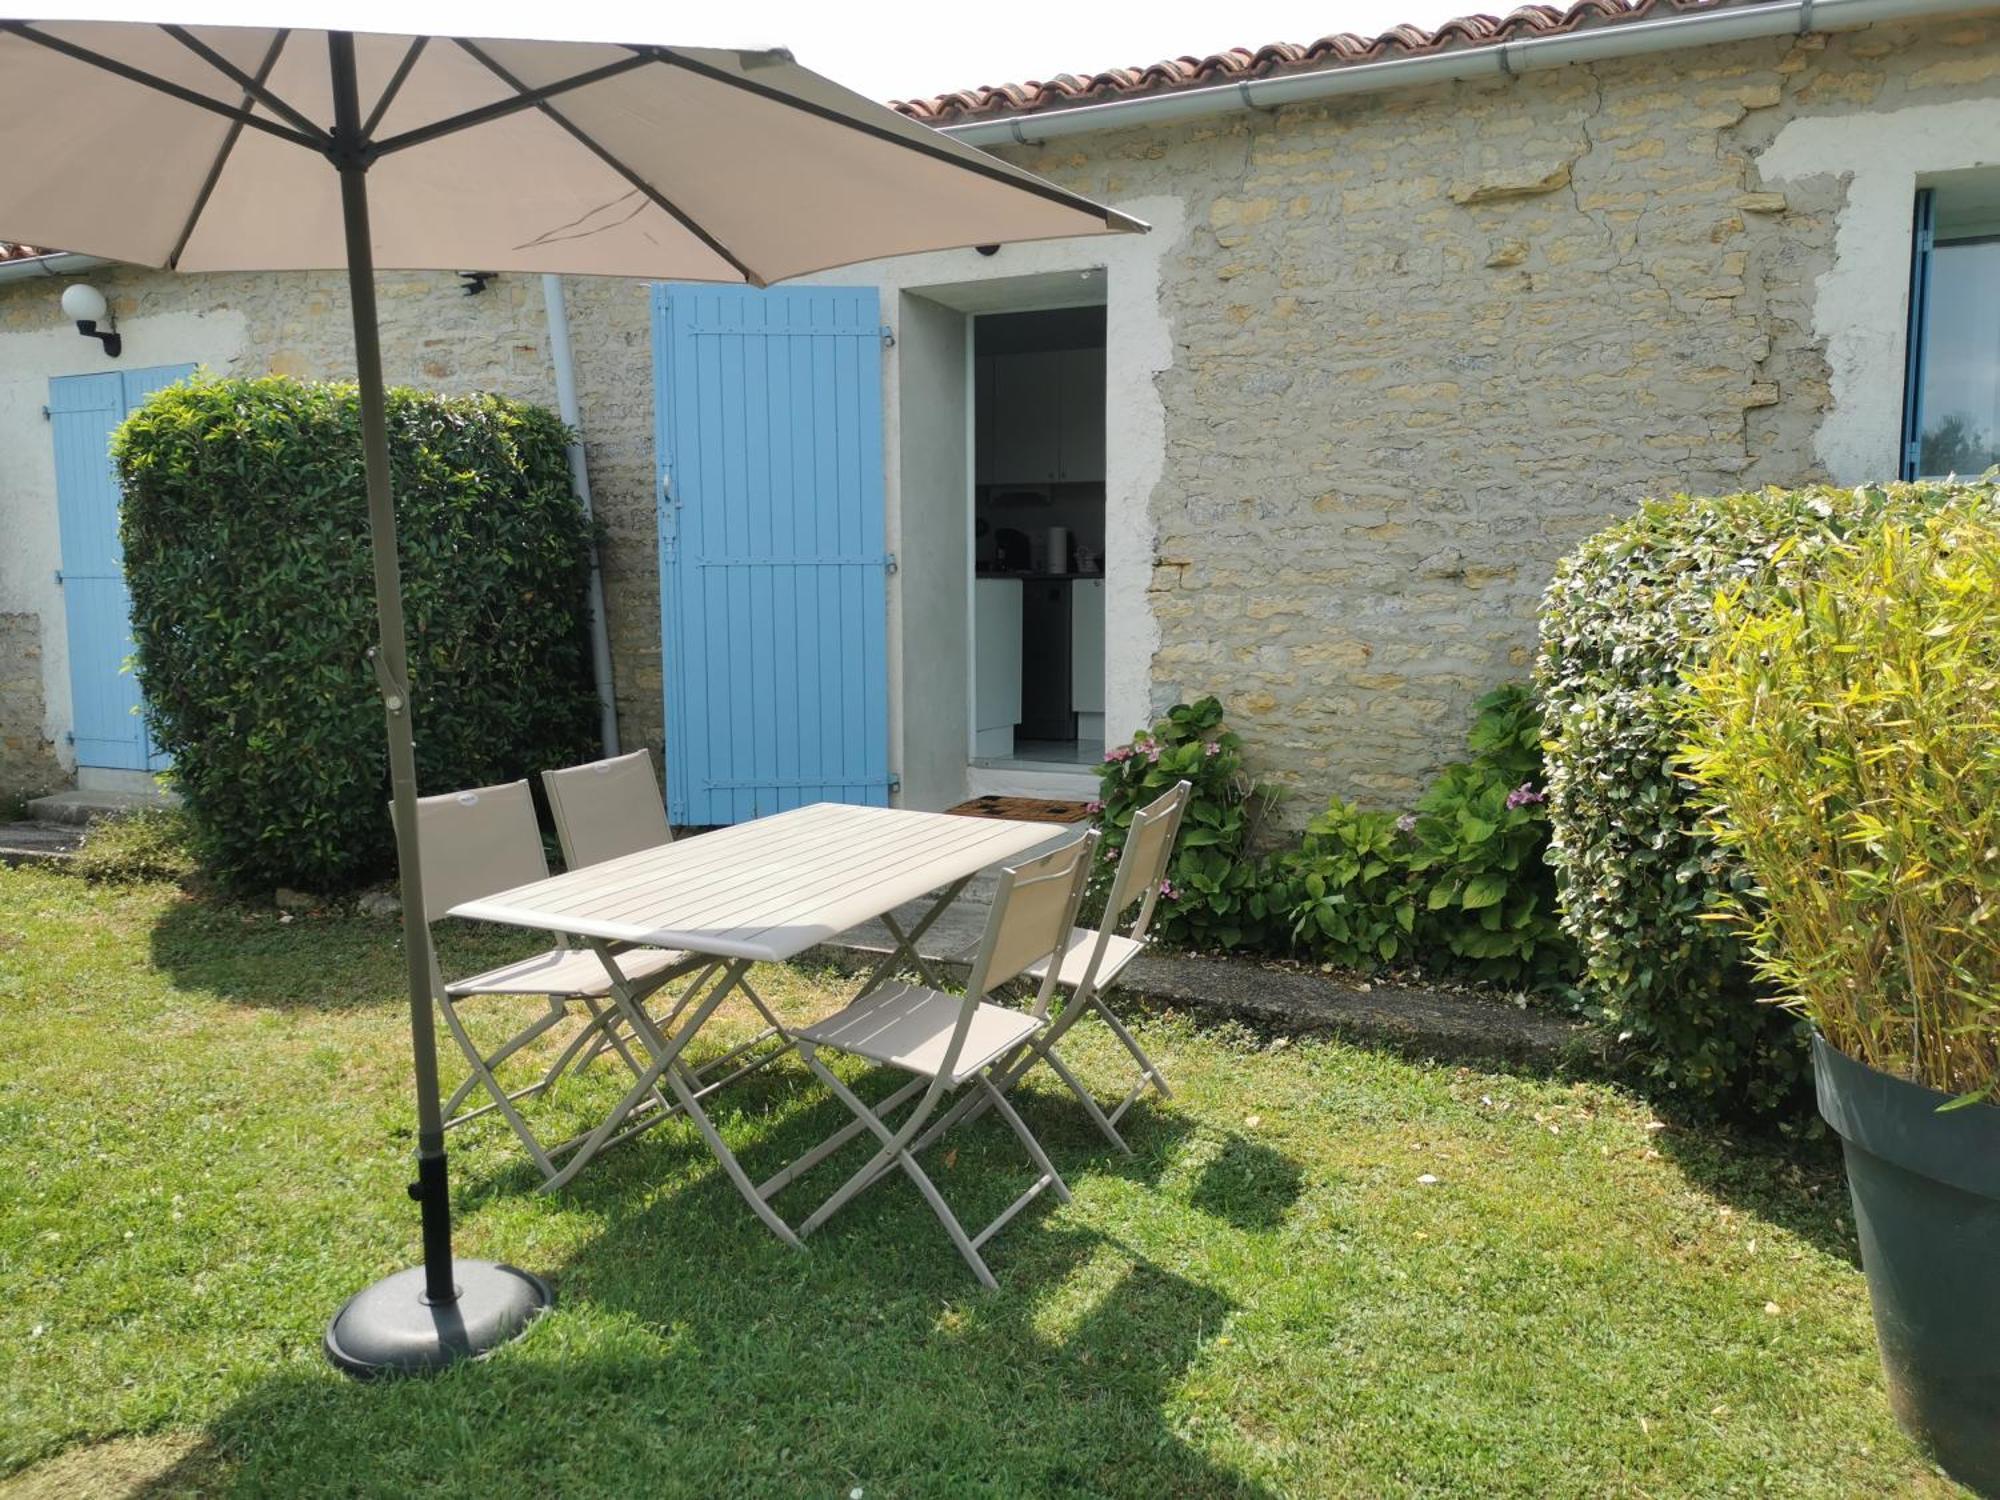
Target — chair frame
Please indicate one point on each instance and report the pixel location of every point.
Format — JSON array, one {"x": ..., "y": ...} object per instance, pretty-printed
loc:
[
  {"x": 899, "y": 1143},
  {"x": 1128, "y": 884},
  {"x": 562, "y": 807},
  {"x": 600, "y": 1033}
]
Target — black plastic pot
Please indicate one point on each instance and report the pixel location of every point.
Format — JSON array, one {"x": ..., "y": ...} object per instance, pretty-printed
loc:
[{"x": 1926, "y": 1190}]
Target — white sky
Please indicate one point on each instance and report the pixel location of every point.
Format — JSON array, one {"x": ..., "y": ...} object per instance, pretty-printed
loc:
[
  {"x": 883, "y": 48},
  {"x": 906, "y": 49}
]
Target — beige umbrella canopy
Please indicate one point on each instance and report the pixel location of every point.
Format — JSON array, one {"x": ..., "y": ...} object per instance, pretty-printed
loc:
[
  {"x": 210, "y": 148},
  {"x": 205, "y": 148}
]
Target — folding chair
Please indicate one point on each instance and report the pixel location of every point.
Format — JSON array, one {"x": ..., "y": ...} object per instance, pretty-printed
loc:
[
  {"x": 947, "y": 1042},
  {"x": 483, "y": 840},
  {"x": 1091, "y": 962},
  {"x": 608, "y": 808}
]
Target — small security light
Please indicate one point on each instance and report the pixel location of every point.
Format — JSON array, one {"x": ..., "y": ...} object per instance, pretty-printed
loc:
[{"x": 86, "y": 304}]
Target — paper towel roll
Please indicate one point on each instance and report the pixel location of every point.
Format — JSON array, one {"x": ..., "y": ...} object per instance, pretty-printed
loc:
[{"x": 1055, "y": 559}]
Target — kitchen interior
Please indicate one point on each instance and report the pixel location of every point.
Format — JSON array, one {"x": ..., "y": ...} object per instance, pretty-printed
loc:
[{"x": 1038, "y": 538}]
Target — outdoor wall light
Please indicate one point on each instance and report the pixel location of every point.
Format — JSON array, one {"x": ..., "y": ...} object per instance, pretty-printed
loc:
[{"x": 86, "y": 304}]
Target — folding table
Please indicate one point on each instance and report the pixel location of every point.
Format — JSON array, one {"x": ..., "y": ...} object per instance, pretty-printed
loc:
[{"x": 758, "y": 892}]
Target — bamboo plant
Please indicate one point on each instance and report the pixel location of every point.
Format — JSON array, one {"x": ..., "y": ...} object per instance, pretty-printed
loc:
[{"x": 1844, "y": 737}]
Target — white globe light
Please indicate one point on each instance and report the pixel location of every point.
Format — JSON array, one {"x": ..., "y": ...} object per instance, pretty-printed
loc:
[{"x": 83, "y": 303}]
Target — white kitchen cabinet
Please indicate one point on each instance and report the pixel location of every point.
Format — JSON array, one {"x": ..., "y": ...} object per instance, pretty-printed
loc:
[
  {"x": 1080, "y": 416},
  {"x": 1086, "y": 656},
  {"x": 1039, "y": 418},
  {"x": 983, "y": 469},
  {"x": 1027, "y": 411},
  {"x": 996, "y": 692}
]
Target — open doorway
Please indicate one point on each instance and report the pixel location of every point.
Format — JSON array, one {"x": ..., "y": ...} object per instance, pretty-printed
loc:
[{"x": 1039, "y": 538}]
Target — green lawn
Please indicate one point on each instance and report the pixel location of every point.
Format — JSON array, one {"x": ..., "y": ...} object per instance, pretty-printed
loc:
[{"x": 204, "y": 1131}]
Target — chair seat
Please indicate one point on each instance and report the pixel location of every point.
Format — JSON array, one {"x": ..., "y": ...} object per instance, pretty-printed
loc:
[
  {"x": 567, "y": 971},
  {"x": 1119, "y": 952},
  {"x": 909, "y": 1027}
]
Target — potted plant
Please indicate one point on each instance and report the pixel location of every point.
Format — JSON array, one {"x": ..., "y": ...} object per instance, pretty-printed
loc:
[{"x": 1845, "y": 739}]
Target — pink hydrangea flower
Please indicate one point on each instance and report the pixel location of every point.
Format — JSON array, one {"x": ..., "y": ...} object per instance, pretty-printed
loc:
[
  {"x": 1525, "y": 795},
  {"x": 1153, "y": 751},
  {"x": 1407, "y": 823},
  {"x": 1213, "y": 747},
  {"x": 1169, "y": 890},
  {"x": 1121, "y": 752},
  {"x": 1093, "y": 806}
]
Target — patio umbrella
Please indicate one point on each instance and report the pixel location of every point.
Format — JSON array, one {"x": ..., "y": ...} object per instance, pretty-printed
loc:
[{"x": 213, "y": 148}]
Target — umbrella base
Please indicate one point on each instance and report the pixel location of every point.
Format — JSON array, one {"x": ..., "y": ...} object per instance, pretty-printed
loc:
[{"x": 390, "y": 1329}]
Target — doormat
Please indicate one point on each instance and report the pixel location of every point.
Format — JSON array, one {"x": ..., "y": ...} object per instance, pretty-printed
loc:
[{"x": 1023, "y": 809}]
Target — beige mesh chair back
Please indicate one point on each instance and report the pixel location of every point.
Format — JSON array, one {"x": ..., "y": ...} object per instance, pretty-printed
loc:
[
  {"x": 1092, "y": 960},
  {"x": 607, "y": 808},
  {"x": 476, "y": 842},
  {"x": 948, "y": 1041},
  {"x": 481, "y": 841}
]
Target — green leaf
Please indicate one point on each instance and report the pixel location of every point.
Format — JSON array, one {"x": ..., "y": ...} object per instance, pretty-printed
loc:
[{"x": 1482, "y": 891}]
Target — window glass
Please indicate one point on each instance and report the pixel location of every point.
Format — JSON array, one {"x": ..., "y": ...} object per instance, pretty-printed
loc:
[
  {"x": 1954, "y": 405},
  {"x": 1960, "y": 393}
]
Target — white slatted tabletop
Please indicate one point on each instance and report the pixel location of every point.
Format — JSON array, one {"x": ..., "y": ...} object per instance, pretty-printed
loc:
[{"x": 765, "y": 890}]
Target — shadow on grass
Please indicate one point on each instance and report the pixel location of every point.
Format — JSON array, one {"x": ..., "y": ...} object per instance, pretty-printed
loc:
[
  {"x": 1798, "y": 1186},
  {"x": 693, "y": 1354},
  {"x": 1248, "y": 1184},
  {"x": 250, "y": 956}
]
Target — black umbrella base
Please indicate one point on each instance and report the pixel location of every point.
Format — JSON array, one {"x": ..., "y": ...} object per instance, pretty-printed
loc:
[{"x": 390, "y": 1329}]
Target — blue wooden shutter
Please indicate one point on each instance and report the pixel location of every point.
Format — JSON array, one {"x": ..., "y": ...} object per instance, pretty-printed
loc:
[
  {"x": 106, "y": 712},
  {"x": 774, "y": 601}
]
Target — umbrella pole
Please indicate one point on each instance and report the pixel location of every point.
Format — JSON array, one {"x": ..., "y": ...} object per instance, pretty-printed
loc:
[{"x": 426, "y": 1317}]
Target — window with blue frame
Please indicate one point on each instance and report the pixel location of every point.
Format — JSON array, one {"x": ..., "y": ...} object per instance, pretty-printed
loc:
[{"x": 1951, "y": 403}]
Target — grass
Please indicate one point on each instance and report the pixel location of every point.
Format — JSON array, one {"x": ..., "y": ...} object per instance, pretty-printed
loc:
[{"x": 204, "y": 1130}]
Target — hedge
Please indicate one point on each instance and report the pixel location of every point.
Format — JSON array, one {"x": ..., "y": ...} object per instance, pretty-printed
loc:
[
  {"x": 1626, "y": 614},
  {"x": 245, "y": 532}
]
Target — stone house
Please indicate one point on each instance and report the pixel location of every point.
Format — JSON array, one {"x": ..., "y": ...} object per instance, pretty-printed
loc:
[{"x": 1415, "y": 314}]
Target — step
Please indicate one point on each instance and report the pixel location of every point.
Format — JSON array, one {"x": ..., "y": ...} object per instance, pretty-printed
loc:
[
  {"x": 38, "y": 843},
  {"x": 77, "y": 809}
]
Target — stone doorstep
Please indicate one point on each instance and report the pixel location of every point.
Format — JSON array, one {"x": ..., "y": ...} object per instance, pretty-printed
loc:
[
  {"x": 1282, "y": 1001},
  {"x": 38, "y": 843},
  {"x": 80, "y": 808}
]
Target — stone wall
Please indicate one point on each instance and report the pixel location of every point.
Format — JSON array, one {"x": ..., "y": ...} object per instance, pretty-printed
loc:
[
  {"x": 27, "y": 759},
  {"x": 434, "y": 336},
  {"x": 1425, "y": 341}
]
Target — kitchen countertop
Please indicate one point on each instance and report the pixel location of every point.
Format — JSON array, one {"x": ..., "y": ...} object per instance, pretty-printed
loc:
[{"x": 1043, "y": 577}]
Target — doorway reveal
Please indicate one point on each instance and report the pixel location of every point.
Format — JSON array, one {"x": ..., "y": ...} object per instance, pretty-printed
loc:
[{"x": 1039, "y": 538}]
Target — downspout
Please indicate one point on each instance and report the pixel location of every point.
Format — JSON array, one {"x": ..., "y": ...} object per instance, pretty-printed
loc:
[
  {"x": 566, "y": 405},
  {"x": 1765, "y": 18}
]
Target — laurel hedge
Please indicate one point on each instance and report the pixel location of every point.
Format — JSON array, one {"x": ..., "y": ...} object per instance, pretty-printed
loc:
[
  {"x": 1639, "y": 883},
  {"x": 245, "y": 531}
]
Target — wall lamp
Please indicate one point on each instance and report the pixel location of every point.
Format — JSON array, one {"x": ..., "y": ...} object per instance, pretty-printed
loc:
[{"x": 86, "y": 304}]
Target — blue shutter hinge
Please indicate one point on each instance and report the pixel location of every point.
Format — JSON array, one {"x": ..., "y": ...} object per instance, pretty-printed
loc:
[
  {"x": 895, "y": 782},
  {"x": 46, "y": 416},
  {"x": 889, "y": 563},
  {"x": 69, "y": 736},
  {"x": 59, "y": 578},
  {"x": 888, "y": 337}
]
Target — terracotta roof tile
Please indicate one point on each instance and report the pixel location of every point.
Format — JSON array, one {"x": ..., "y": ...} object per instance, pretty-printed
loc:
[{"x": 1342, "y": 49}]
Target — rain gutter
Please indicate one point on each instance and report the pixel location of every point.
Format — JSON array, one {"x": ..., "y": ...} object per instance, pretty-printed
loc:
[
  {"x": 564, "y": 360},
  {"x": 1768, "y": 18},
  {"x": 61, "y": 264}
]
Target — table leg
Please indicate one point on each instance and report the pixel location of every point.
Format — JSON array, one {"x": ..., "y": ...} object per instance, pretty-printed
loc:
[
  {"x": 906, "y": 943},
  {"x": 665, "y": 1053}
]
